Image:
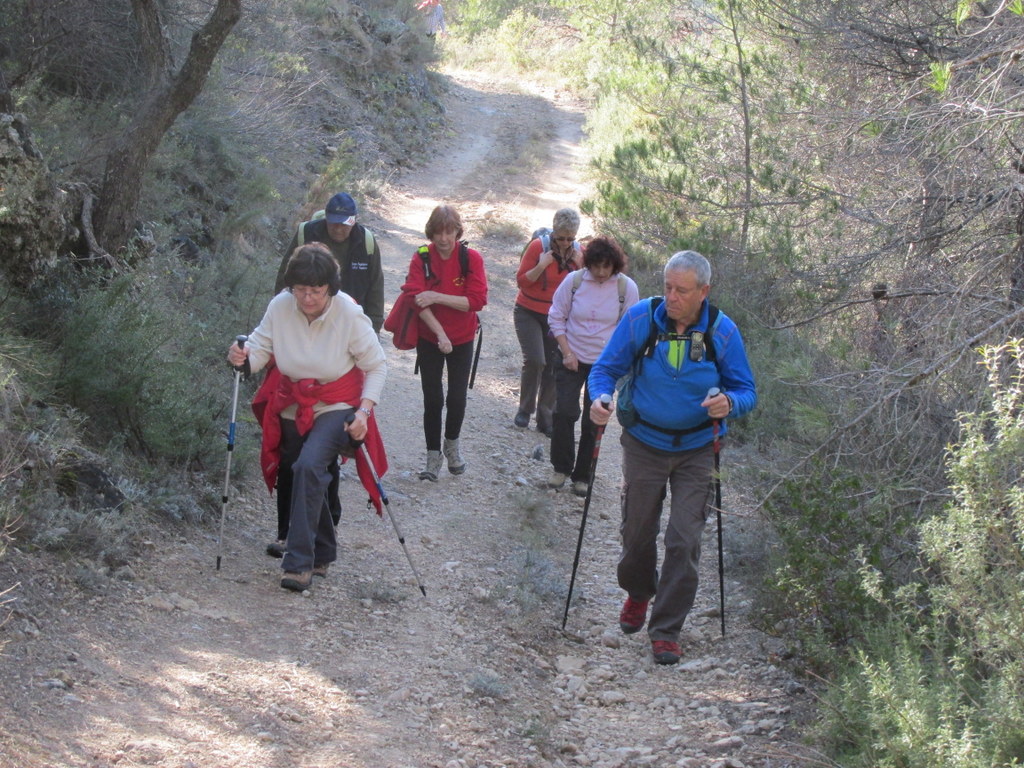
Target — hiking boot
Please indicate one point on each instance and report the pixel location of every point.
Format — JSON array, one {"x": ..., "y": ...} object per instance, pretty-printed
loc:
[
  {"x": 580, "y": 487},
  {"x": 451, "y": 452},
  {"x": 277, "y": 548},
  {"x": 633, "y": 615},
  {"x": 321, "y": 570},
  {"x": 557, "y": 480},
  {"x": 666, "y": 652},
  {"x": 433, "y": 468},
  {"x": 522, "y": 420},
  {"x": 297, "y": 582},
  {"x": 545, "y": 429}
]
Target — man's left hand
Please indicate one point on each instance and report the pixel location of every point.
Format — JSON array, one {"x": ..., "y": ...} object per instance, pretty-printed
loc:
[{"x": 718, "y": 406}]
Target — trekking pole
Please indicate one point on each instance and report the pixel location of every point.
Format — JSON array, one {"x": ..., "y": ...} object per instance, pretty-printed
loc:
[
  {"x": 476, "y": 356},
  {"x": 714, "y": 392},
  {"x": 598, "y": 434},
  {"x": 231, "y": 447},
  {"x": 384, "y": 498}
]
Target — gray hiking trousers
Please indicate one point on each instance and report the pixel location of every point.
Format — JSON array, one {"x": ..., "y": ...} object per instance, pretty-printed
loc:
[{"x": 687, "y": 475}]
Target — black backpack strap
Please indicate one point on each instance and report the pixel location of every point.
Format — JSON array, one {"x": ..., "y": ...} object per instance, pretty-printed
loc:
[
  {"x": 424, "y": 252},
  {"x": 647, "y": 350},
  {"x": 709, "y": 338}
]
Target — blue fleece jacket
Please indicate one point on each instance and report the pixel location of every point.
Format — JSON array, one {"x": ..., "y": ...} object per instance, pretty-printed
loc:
[{"x": 668, "y": 395}]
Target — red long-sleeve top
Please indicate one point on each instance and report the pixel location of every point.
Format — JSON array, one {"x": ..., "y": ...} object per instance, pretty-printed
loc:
[
  {"x": 447, "y": 278},
  {"x": 536, "y": 295}
]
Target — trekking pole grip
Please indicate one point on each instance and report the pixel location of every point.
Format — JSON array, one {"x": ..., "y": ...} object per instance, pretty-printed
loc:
[
  {"x": 244, "y": 368},
  {"x": 355, "y": 443}
]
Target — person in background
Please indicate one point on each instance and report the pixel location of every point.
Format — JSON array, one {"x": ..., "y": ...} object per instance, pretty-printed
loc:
[
  {"x": 449, "y": 297},
  {"x": 584, "y": 311},
  {"x": 434, "y": 13},
  {"x": 329, "y": 368},
  {"x": 362, "y": 278},
  {"x": 355, "y": 248},
  {"x": 670, "y": 443},
  {"x": 543, "y": 266}
]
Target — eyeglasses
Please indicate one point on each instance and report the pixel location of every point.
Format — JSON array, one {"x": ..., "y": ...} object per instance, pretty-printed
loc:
[
  {"x": 563, "y": 239},
  {"x": 309, "y": 293}
]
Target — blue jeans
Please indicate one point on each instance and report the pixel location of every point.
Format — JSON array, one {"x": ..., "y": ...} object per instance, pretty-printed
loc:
[{"x": 311, "y": 538}]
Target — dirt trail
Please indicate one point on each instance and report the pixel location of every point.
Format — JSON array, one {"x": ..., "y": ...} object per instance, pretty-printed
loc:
[{"x": 179, "y": 665}]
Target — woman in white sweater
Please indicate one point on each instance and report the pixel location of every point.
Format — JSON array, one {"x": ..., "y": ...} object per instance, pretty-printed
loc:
[{"x": 329, "y": 368}]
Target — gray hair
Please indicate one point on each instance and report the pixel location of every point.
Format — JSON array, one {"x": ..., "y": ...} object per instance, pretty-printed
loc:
[
  {"x": 690, "y": 261},
  {"x": 566, "y": 220}
]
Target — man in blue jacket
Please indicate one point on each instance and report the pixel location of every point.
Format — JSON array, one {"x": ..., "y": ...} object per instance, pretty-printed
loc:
[{"x": 668, "y": 441}]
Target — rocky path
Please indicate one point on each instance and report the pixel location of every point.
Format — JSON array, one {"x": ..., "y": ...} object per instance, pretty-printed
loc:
[{"x": 173, "y": 663}]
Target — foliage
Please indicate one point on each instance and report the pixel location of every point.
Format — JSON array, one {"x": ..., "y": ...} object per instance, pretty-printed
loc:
[
  {"x": 43, "y": 455},
  {"x": 155, "y": 399},
  {"x": 829, "y": 529},
  {"x": 941, "y": 681}
]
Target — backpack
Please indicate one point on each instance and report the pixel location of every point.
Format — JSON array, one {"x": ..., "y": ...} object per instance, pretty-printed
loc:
[
  {"x": 625, "y": 410},
  {"x": 300, "y": 235},
  {"x": 577, "y": 281}
]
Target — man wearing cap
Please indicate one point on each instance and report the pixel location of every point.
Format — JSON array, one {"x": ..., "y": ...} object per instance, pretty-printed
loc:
[
  {"x": 355, "y": 249},
  {"x": 358, "y": 255}
]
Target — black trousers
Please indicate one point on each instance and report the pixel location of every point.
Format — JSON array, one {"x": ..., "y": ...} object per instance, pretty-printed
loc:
[{"x": 432, "y": 363}]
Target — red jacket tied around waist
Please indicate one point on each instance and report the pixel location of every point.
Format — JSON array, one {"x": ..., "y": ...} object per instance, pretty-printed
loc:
[{"x": 278, "y": 392}]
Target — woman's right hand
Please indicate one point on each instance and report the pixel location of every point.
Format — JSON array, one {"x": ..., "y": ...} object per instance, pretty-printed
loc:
[
  {"x": 444, "y": 345},
  {"x": 237, "y": 355},
  {"x": 546, "y": 258}
]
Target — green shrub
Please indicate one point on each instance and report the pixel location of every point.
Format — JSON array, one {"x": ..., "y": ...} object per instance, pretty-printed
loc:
[
  {"x": 827, "y": 532},
  {"x": 941, "y": 683},
  {"x": 143, "y": 358}
]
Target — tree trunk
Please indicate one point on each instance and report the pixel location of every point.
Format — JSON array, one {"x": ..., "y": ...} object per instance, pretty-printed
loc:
[{"x": 168, "y": 97}]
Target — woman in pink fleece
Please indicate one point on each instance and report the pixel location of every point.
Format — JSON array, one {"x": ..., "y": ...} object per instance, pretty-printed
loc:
[{"x": 584, "y": 311}]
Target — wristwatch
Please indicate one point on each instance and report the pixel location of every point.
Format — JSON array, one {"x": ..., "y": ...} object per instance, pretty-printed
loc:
[{"x": 365, "y": 410}]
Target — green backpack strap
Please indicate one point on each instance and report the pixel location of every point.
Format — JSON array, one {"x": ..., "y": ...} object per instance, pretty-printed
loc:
[
  {"x": 424, "y": 252},
  {"x": 300, "y": 235}
]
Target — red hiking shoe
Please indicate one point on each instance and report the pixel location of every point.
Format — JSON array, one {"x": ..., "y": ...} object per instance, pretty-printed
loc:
[
  {"x": 633, "y": 615},
  {"x": 666, "y": 652}
]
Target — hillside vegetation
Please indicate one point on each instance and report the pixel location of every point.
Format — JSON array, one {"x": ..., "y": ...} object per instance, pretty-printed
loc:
[{"x": 853, "y": 171}]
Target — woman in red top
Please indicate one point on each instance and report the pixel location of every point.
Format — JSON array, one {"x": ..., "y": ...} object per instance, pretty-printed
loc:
[
  {"x": 449, "y": 299},
  {"x": 545, "y": 264}
]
